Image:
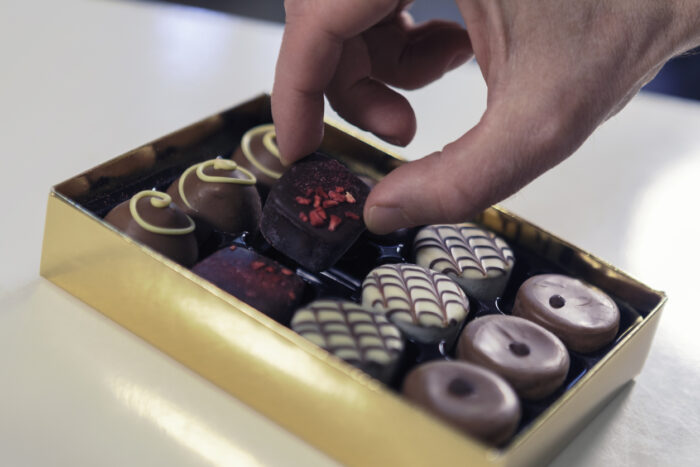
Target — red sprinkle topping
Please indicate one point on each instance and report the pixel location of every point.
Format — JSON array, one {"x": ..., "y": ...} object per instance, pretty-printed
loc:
[
  {"x": 308, "y": 192},
  {"x": 232, "y": 247},
  {"x": 352, "y": 215},
  {"x": 257, "y": 265},
  {"x": 321, "y": 213},
  {"x": 270, "y": 269},
  {"x": 315, "y": 218},
  {"x": 349, "y": 198},
  {"x": 329, "y": 203},
  {"x": 334, "y": 222},
  {"x": 339, "y": 189},
  {"x": 302, "y": 200},
  {"x": 317, "y": 201},
  {"x": 287, "y": 272},
  {"x": 292, "y": 295},
  {"x": 303, "y": 217},
  {"x": 321, "y": 193},
  {"x": 335, "y": 196}
]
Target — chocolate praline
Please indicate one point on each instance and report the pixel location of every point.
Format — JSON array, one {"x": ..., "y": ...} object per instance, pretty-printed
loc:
[
  {"x": 472, "y": 398},
  {"x": 314, "y": 212},
  {"x": 425, "y": 305},
  {"x": 533, "y": 360},
  {"x": 259, "y": 153},
  {"x": 582, "y": 316},
  {"x": 353, "y": 333},
  {"x": 151, "y": 218},
  {"x": 257, "y": 280},
  {"x": 479, "y": 260},
  {"x": 218, "y": 194}
]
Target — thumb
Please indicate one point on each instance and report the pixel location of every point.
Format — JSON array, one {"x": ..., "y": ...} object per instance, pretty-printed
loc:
[{"x": 502, "y": 153}]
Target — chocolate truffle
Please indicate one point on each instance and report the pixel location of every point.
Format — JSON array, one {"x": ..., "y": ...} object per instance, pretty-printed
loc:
[
  {"x": 151, "y": 218},
  {"x": 258, "y": 281},
  {"x": 472, "y": 398},
  {"x": 353, "y": 333},
  {"x": 218, "y": 194},
  {"x": 259, "y": 153},
  {"x": 425, "y": 305},
  {"x": 314, "y": 212},
  {"x": 582, "y": 316},
  {"x": 477, "y": 259},
  {"x": 533, "y": 360}
]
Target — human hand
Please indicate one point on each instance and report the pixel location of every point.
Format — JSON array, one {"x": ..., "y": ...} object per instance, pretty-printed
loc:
[{"x": 554, "y": 72}]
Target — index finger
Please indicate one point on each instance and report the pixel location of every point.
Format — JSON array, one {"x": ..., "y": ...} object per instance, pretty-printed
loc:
[{"x": 311, "y": 47}]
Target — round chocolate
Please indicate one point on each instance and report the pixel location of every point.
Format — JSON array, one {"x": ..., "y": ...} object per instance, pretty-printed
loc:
[
  {"x": 582, "y": 316},
  {"x": 426, "y": 305},
  {"x": 219, "y": 194},
  {"x": 472, "y": 398},
  {"x": 479, "y": 261},
  {"x": 533, "y": 360},
  {"x": 151, "y": 218},
  {"x": 259, "y": 153},
  {"x": 353, "y": 333}
]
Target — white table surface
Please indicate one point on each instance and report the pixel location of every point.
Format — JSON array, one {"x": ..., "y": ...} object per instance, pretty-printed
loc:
[{"x": 82, "y": 81}]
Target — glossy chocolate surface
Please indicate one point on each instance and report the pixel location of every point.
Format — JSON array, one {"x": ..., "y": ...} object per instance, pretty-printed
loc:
[
  {"x": 259, "y": 153},
  {"x": 583, "y": 317},
  {"x": 314, "y": 212},
  {"x": 470, "y": 397},
  {"x": 229, "y": 207},
  {"x": 181, "y": 248},
  {"x": 533, "y": 360},
  {"x": 255, "y": 279}
]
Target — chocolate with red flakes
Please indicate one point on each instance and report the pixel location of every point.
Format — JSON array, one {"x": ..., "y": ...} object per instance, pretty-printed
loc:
[
  {"x": 258, "y": 281},
  {"x": 315, "y": 233}
]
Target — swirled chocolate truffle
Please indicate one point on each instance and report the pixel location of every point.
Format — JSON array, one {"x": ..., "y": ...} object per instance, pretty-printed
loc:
[
  {"x": 151, "y": 218},
  {"x": 352, "y": 333},
  {"x": 425, "y": 305},
  {"x": 469, "y": 397},
  {"x": 257, "y": 280},
  {"x": 314, "y": 212},
  {"x": 259, "y": 153},
  {"x": 582, "y": 316},
  {"x": 479, "y": 260},
  {"x": 533, "y": 360},
  {"x": 218, "y": 194}
]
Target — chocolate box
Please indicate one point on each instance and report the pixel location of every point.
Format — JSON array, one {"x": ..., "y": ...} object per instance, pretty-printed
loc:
[{"x": 330, "y": 404}]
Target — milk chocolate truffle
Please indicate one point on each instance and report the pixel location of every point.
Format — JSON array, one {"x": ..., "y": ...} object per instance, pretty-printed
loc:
[
  {"x": 258, "y": 281},
  {"x": 219, "y": 194},
  {"x": 426, "y": 305},
  {"x": 472, "y": 398},
  {"x": 477, "y": 259},
  {"x": 353, "y": 333},
  {"x": 314, "y": 212},
  {"x": 151, "y": 218},
  {"x": 582, "y": 316},
  {"x": 533, "y": 360},
  {"x": 259, "y": 153}
]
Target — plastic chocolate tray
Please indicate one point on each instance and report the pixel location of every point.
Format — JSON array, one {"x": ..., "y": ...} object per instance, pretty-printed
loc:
[{"x": 545, "y": 424}]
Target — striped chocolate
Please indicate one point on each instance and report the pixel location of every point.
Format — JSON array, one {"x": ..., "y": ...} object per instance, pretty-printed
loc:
[
  {"x": 480, "y": 261},
  {"x": 415, "y": 299}
]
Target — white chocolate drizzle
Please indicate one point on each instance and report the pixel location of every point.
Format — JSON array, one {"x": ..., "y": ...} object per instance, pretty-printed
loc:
[
  {"x": 464, "y": 250},
  {"x": 218, "y": 164},
  {"x": 158, "y": 200},
  {"x": 414, "y": 294},
  {"x": 349, "y": 331},
  {"x": 268, "y": 139}
]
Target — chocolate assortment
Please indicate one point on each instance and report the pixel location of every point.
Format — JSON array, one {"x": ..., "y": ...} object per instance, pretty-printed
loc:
[
  {"x": 419, "y": 309},
  {"x": 259, "y": 154}
]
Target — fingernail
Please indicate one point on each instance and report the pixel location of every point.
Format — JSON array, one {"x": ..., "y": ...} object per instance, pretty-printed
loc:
[{"x": 385, "y": 219}]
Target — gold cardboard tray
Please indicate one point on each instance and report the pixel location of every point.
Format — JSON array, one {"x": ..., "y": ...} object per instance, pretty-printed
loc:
[{"x": 325, "y": 401}]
